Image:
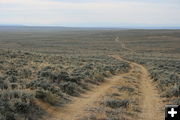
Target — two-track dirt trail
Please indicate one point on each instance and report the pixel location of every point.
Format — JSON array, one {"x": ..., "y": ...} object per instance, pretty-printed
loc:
[
  {"x": 150, "y": 101},
  {"x": 151, "y": 104}
]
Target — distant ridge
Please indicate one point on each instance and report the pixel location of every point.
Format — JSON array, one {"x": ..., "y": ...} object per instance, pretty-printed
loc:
[
  {"x": 98, "y": 28},
  {"x": 57, "y": 27},
  {"x": 11, "y": 25}
]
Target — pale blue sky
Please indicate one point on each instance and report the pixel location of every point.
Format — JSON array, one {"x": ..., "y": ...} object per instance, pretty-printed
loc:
[{"x": 91, "y": 13}]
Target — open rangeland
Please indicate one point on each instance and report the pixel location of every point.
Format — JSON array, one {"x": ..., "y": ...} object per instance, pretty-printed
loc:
[{"x": 88, "y": 74}]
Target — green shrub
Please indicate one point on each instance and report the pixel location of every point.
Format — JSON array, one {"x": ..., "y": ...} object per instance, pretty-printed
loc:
[
  {"x": 47, "y": 97},
  {"x": 126, "y": 88},
  {"x": 70, "y": 88},
  {"x": 25, "y": 73},
  {"x": 12, "y": 72},
  {"x": 41, "y": 94},
  {"x": 22, "y": 107},
  {"x": 173, "y": 92},
  {"x": 117, "y": 103},
  {"x": 176, "y": 101}
]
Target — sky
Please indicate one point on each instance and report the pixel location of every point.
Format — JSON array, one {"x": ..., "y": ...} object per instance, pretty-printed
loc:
[{"x": 91, "y": 13}]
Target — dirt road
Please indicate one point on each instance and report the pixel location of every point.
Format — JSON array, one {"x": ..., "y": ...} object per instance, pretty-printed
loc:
[
  {"x": 150, "y": 101},
  {"x": 151, "y": 104}
]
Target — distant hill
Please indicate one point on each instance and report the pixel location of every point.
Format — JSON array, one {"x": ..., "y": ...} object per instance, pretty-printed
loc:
[{"x": 12, "y": 26}]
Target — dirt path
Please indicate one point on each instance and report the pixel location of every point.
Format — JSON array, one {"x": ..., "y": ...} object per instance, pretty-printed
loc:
[
  {"x": 151, "y": 103},
  {"x": 123, "y": 45}
]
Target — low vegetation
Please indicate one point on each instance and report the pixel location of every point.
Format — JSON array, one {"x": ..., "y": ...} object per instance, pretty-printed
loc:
[
  {"x": 167, "y": 76},
  {"x": 62, "y": 64},
  {"x": 53, "y": 79}
]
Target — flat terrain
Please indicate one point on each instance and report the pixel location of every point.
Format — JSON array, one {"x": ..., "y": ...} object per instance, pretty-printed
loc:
[
  {"x": 88, "y": 41},
  {"x": 151, "y": 103},
  {"x": 95, "y": 74}
]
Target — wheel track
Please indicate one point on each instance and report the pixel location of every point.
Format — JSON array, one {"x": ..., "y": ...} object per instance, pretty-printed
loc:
[{"x": 150, "y": 107}]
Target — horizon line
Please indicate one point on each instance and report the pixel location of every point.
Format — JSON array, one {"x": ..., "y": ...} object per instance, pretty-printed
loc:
[{"x": 100, "y": 27}]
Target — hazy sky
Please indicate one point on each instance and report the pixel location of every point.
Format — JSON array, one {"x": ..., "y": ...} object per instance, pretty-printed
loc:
[{"x": 91, "y": 13}]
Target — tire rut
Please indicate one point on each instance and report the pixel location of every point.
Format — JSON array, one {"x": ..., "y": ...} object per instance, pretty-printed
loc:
[{"x": 150, "y": 101}]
